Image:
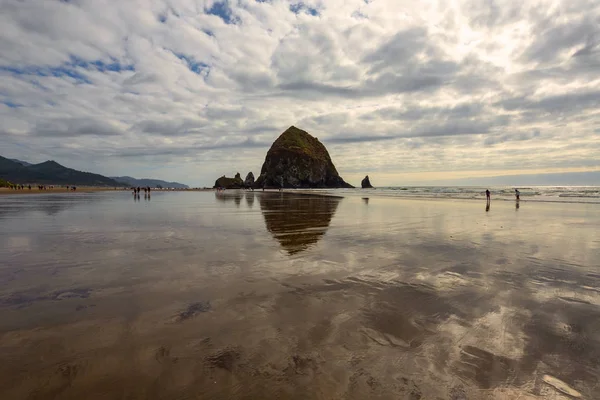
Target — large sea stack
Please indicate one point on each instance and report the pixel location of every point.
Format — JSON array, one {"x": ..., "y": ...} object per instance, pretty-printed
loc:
[
  {"x": 298, "y": 160},
  {"x": 366, "y": 183}
]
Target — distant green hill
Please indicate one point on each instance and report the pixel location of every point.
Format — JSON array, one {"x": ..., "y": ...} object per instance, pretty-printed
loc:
[{"x": 51, "y": 173}]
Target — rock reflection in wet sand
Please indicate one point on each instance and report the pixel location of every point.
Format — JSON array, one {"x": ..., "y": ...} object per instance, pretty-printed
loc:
[
  {"x": 189, "y": 296},
  {"x": 297, "y": 222}
]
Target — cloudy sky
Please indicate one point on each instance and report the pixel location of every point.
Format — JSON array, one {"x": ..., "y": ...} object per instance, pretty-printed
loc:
[{"x": 405, "y": 91}]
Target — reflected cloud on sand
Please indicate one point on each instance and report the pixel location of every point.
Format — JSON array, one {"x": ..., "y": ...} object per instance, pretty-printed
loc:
[
  {"x": 297, "y": 221},
  {"x": 50, "y": 205}
]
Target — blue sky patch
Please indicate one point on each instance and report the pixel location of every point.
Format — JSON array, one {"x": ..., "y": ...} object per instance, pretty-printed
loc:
[
  {"x": 10, "y": 104},
  {"x": 196, "y": 67},
  {"x": 113, "y": 66},
  {"x": 59, "y": 72},
  {"x": 301, "y": 7},
  {"x": 71, "y": 69},
  {"x": 221, "y": 9}
]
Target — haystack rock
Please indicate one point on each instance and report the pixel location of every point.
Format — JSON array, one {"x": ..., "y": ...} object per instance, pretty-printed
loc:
[
  {"x": 249, "y": 181},
  {"x": 298, "y": 160},
  {"x": 230, "y": 183},
  {"x": 366, "y": 183}
]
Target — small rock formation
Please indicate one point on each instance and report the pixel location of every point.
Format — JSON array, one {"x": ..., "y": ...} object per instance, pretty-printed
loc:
[
  {"x": 298, "y": 160},
  {"x": 249, "y": 181},
  {"x": 366, "y": 183},
  {"x": 230, "y": 183}
]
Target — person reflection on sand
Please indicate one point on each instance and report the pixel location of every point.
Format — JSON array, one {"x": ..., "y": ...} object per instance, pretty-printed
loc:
[{"x": 297, "y": 221}]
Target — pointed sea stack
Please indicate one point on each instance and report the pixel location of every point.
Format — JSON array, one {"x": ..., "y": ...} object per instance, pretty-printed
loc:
[
  {"x": 366, "y": 183},
  {"x": 249, "y": 181},
  {"x": 298, "y": 160}
]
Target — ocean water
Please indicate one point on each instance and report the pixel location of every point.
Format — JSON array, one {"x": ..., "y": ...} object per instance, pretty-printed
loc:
[
  {"x": 560, "y": 194},
  {"x": 269, "y": 295}
]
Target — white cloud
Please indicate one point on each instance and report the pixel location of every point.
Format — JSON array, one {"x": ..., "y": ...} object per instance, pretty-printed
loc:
[{"x": 192, "y": 90}]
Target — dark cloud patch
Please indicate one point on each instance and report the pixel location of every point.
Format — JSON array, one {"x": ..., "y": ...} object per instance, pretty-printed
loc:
[
  {"x": 140, "y": 78},
  {"x": 488, "y": 13},
  {"x": 553, "y": 40},
  {"x": 328, "y": 119},
  {"x": 512, "y": 137},
  {"x": 263, "y": 129},
  {"x": 388, "y": 83},
  {"x": 201, "y": 128},
  {"x": 416, "y": 113},
  {"x": 391, "y": 82},
  {"x": 458, "y": 128},
  {"x": 75, "y": 127},
  {"x": 401, "y": 49},
  {"x": 252, "y": 80},
  {"x": 563, "y": 103},
  {"x": 227, "y": 113},
  {"x": 170, "y": 127},
  {"x": 408, "y": 62},
  {"x": 360, "y": 139},
  {"x": 318, "y": 89},
  {"x": 476, "y": 76},
  {"x": 192, "y": 150},
  {"x": 426, "y": 130}
]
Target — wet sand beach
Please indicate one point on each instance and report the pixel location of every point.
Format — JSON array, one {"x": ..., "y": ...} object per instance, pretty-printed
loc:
[
  {"x": 251, "y": 295},
  {"x": 84, "y": 189},
  {"x": 36, "y": 191}
]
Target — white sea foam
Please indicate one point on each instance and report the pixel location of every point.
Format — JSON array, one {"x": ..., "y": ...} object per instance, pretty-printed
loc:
[{"x": 560, "y": 194}]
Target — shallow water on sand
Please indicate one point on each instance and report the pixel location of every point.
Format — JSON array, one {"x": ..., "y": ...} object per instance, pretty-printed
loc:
[{"x": 282, "y": 295}]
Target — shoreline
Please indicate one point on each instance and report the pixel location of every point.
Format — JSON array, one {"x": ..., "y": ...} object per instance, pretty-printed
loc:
[
  {"x": 314, "y": 192},
  {"x": 388, "y": 195},
  {"x": 87, "y": 189}
]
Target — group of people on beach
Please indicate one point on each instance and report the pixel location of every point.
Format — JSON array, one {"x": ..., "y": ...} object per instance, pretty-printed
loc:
[
  {"x": 40, "y": 187},
  {"x": 137, "y": 190}
]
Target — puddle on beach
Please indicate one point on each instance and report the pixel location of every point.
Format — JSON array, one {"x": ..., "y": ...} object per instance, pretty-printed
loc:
[{"x": 252, "y": 295}]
